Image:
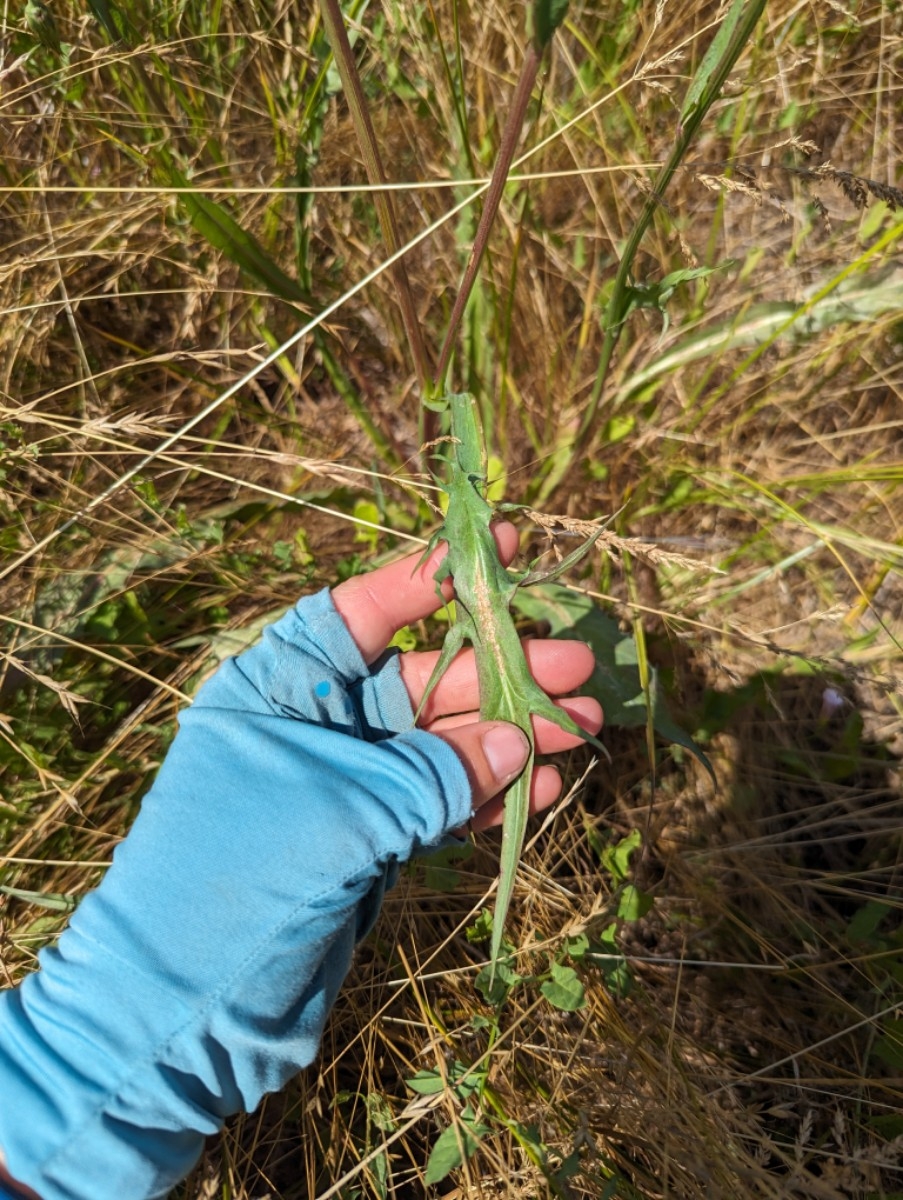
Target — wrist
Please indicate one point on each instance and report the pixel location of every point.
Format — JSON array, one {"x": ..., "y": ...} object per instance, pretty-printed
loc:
[{"x": 11, "y": 1189}]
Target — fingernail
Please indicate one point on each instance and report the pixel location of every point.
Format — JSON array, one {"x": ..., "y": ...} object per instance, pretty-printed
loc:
[{"x": 506, "y": 749}]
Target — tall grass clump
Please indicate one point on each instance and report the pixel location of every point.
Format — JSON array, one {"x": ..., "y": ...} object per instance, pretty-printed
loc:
[{"x": 709, "y": 971}]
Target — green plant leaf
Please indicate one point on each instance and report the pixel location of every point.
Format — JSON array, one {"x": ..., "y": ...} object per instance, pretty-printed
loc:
[
  {"x": 463, "y": 1080},
  {"x": 577, "y": 946},
  {"x": 55, "y": 901},
  {"x": 633, "y": 903},
  {"x": 889, "y": 1047},
  {"x": 618, "y": 428},
  {"x": 564, "y": 990},
  {"x": 497, "y": 479},
  {"x": 214, "y": 223},
  {"x": 616, "y": 680},
  {"x": 110, "y": 17},
  {"x": 890, "y": 1126},
  {"x": 426, "y": 1083},
  {"x": 366, "y": 510},
  {"x": 657, "y": 295},
  {"x": 543, "y": 19},
  {"x": 615, "y": 971},
  {"x": 494, "y": 990},
  {"x": 404, "y": 640},
  {"x": 712, "y": 57},
  {"x": 481, "y": 929},
  {"x": 439, "y": 872},
  {"x": 568, "y": 1169},
  {"x": 863, "y": 925},
  {"x": 616, "y": 859},
  {"x": 453, "y": 1146}
]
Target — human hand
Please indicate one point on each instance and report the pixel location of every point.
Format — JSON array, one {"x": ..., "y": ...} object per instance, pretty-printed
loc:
[
  {"x": 376, "y": 605},
  {"x": 200, "y": 973}
]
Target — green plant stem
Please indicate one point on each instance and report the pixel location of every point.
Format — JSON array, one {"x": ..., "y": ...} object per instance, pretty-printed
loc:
[{"x": 701, "y": 95}]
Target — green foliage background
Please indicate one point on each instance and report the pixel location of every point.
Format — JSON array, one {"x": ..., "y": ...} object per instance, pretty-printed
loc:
[{"x": 705, "y": 978}]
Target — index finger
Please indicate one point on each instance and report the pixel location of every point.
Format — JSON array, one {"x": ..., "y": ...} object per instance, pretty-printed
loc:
[{"x": 376, "y": 605}]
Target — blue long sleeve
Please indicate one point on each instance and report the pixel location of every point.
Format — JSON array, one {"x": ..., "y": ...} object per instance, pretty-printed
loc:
[{"x": 199, "y": 975}]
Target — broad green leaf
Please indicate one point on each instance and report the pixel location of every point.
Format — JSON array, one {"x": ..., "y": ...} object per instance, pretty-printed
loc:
[
  {"x": 616, "y": 680},
  {"x": 378, "y": 1173},
  {"x": 872, "y": 220},
  {"x": 437, "y": 404},
  {"x": 405, "y": 639},
  {"x": 564, "y": 990},
  {"x": 447, "y": 1154},
  {"x": 463, "y": 1080},
  {"x": 568, "y": 1169},
  {"x": 439, "y": 871},
  {"x": 890, "y": 1126},
  {"x": 148, "y": 493},
  {"x": 633, "y": 904},
  {"x": 616, "y": 859},
  {"x": 481, "y": 929},
  {"x": 366, "y": 511},
  {"x": 609, "y": 937},
  {"x": 466, "y": 1081},
  {"x": 618, "y": 428},
  {"x": 497, "y": 479},
  {"x": 494, "y": 990},
  {"x": 577, "y": 946},
  {"x": 889, "y": 1047},
  {"x": 453, "y": 1145},
  {"x": 570, "y": 614},
  {"x": 615, "y": 971},
  {"x": 426, "y": 1083},
  {"x": 863, "y": 925}
]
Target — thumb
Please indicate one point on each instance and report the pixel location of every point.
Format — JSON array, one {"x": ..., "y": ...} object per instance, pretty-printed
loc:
[{"x": 493, "y": 753}]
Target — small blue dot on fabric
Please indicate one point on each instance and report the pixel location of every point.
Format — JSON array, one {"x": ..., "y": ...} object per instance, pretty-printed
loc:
[{"x": 323, "y": 689}]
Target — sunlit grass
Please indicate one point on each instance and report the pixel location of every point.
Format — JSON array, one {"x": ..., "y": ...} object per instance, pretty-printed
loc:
[{"x": 178, "y": 460}]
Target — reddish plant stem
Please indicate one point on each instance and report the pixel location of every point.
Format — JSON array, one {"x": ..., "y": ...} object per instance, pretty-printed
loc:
[
  {"x": 510, "y": 138},
  {"x": 337, "y": 35}
]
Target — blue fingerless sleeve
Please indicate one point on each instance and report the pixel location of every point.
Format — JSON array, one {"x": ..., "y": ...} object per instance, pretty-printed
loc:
[{"x": 200, "y": 973}]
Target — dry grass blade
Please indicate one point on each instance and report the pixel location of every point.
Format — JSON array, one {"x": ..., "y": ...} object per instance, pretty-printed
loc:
[
  {"x": 360, "y": 114},
  {"x": 740, "y": 1039}
]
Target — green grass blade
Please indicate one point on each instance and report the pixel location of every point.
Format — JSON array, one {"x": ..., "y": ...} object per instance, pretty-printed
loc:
[
  {"x": 343, "y": 55},
  {"x": 705, "y": 81},
  {"x": 738, "y": 28},
  {"x": 213, "y": 221}
]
